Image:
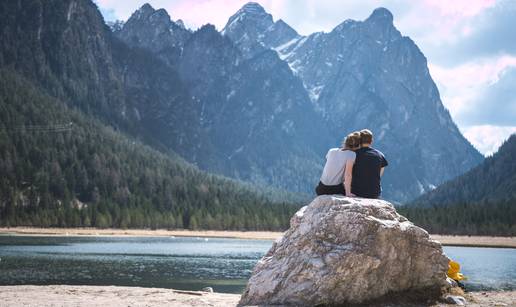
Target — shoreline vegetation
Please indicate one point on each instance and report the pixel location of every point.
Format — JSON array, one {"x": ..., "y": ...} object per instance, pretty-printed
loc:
[
  {"x": 446, "y": 240},
  {"x": 66, "y": 295}
]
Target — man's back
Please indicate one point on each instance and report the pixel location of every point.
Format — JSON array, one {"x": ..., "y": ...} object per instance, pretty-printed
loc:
[{"x": 366, "y": 172}]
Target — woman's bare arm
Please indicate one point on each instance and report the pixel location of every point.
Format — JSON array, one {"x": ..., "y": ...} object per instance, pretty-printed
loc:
[{"x": 348, "y": 176}]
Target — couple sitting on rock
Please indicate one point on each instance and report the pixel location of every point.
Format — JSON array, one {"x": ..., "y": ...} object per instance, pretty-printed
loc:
[{"x": 353, "y": 170}]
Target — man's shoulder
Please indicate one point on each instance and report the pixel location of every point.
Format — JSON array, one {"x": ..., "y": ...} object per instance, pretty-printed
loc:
[
  {"x": 369, "y": 151},
  {"x": 378, "y": 152},
  {"x": 382, "y": 158},
  {"x": 363, "y": 150}
]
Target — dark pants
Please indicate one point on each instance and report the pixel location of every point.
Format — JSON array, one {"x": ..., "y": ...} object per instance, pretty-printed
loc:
[{"x": 323, "y": 189}]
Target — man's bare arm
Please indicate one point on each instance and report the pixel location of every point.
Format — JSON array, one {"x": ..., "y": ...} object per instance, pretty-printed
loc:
[{"x": 381, "y": 171}]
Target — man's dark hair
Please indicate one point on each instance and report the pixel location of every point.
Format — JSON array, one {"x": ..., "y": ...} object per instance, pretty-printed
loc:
[{"x": 366, "y": 136}]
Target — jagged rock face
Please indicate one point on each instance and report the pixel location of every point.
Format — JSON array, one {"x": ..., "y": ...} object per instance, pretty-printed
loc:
[
  {"x": 367, "y": 75},
  {"x": 63, "y": 48},
  {"x": 72, "y": 54},
  {"x": 342, "y": 250},
  {"x": 253, "y": 113},
  {"x": 271, "y": 126},
  {"x": 154, "y": 30},
  {"x": 164, "y": 111},
  {"x": 254, "y": 30},
  {"x": 208, "y": 60}
]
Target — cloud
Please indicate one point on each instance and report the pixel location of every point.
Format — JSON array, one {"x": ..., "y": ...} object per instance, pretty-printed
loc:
[
  {"x": 108, "y": 14},
  {"x": 460, "y": 8},
  {"x": 119, "y": 9},
  {"x": 470, "y": 76},
  {"x": 481, "y": 97},
  {"x": 487, "y": 138},
  {"x": 479, "y": 92},
  {"x": 489, "y": 33},
  {"x": 496, "y": 104}
]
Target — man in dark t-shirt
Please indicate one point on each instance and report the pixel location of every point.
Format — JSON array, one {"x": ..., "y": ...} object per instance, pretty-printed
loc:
[{"x": 368, "y": 168}]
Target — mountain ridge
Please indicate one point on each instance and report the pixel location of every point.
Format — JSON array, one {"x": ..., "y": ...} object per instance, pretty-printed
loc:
[
  {"x": 241, "y": 111},
  {"x": 367, "y": 74},
  {"x": 361, "y": 74}
]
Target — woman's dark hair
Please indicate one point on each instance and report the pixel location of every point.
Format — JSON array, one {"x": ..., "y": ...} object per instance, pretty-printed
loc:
[{"x": 352, "y": 141}]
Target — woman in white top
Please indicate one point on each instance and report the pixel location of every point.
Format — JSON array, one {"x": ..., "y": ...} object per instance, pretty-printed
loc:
[{"x": 337, "y": 173}]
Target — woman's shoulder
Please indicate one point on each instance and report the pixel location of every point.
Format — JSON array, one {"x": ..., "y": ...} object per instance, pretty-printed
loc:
[
  {"x": 343, "y": 152},
  {"x": 333, "y": 150},
  {"x": 350, "y": 153}
]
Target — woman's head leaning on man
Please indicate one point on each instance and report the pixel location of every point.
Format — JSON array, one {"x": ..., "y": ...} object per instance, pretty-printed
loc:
[
  {"x": 357, "y": 139},
  {"x": 352, "y": 141},
  {"x": 338, "y": 171}
]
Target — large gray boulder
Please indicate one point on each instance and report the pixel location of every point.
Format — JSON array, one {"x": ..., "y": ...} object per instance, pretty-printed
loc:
[{"x": 342, "y": 250}]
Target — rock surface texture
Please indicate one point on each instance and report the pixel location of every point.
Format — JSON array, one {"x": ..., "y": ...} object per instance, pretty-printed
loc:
[{"x": 342, "y": 250}]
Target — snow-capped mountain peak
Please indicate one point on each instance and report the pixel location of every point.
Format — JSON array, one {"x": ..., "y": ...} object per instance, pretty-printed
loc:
[{"x": 366, "y": 74}]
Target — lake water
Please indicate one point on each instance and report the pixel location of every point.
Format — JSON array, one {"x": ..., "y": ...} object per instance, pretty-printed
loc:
[{"x": 185, "y": 263}]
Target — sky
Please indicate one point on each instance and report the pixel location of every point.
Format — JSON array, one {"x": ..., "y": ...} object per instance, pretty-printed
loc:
[{"x": 470, "y": 46}]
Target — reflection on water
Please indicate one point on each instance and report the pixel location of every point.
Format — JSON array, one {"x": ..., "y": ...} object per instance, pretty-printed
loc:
[{"x": 185, "y": 263}]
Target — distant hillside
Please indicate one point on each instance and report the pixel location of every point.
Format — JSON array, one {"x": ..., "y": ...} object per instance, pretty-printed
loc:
[
  {"x": 493, "y": 180},
  {"x": 62, "y": 168},
  {"x": 482, "y": 201}
]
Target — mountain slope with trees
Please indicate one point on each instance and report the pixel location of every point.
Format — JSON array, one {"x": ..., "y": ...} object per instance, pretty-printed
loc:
[
  {"x": 493, "y": 180},
  {"x": 482, "y": 201},
  {"x": 62, "y": 168}
]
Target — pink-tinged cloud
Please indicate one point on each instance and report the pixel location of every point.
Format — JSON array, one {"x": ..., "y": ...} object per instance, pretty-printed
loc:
[
  {"x": 460, "y": 8},
  {"x": 438, "y": 22},
  {"x": 461, "y": 85},
  {"x": 473, "y": 74}
]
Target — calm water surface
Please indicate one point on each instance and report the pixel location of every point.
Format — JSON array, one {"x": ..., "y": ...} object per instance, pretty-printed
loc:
[{"x": 185, "y": 263}]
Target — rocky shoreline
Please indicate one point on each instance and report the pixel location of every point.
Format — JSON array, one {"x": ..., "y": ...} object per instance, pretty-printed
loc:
[{"x": 64, "y": 295}]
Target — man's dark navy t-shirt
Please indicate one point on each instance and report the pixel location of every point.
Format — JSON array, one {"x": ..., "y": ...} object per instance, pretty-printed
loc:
[{"x": 366, "y": 172}]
